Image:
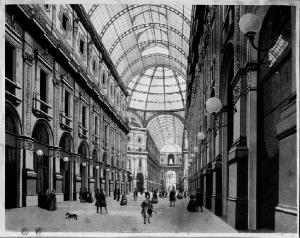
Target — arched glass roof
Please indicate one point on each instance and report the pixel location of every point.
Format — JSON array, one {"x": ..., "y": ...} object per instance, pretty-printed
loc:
[
  {"x": 166, "y": 130},
  {"x": 130, "y": 32},
  {"x": 171, "y": 148},
  {"x": 149, "y": 46},
  {"x": 157, "y": 88}
]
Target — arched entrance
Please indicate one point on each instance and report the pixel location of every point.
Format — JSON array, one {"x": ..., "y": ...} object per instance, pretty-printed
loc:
[
  {"x": 171, "y": 180},
  {"x": 66, "y": 145},
  {"x": 226, "y": 139},
  {"x": 12, "y": 155},
  {"x": 41, "y": 133},
  {"x": 83, "y": 153},
  {"x": 274, "y": 90},
  {"x": 140, "y": 182}
]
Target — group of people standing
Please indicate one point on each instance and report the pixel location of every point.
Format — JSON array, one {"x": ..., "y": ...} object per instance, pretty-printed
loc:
[
  {"x": 85, "y": 195},
  {"x": 196, "y": 202}
]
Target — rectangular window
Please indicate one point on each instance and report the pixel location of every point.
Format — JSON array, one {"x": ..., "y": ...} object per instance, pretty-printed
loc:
[
  {"x": 140, "y": 163},
  {"x": 81, "y": 46},
  {"x": 94, "y": 65},
  {"x": 9, "y": 61},
  {"x": 67, "y": 101},
  {"x": 84, "y": 116},
  {"x": 105, "y": 133},
  {"x": 43, "y": 90},
  {"x": 96, "y": 125},
  {"x": 65, "y": 22}
]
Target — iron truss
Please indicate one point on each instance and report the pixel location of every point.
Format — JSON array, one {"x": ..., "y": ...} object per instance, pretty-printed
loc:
[
  {"x": 130, "y": 8},
  {"x": 151, "y": 56},
  {"x": 146, "y": 44},
  {"x": 143, "y": 26}
]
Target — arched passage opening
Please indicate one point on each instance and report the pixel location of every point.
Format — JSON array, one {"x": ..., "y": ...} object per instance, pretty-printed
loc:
[
  {"x": 66, "y": 145},
  {"x": 12, "y": 156},
  {"x": 42, "y": 135},
  {"x": 84, "y": 171}
]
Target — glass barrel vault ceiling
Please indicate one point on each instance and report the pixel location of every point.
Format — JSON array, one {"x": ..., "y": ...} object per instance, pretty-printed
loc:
[
  {"x": 157, "y": 88},
  {"x": 149, "y": 46}
]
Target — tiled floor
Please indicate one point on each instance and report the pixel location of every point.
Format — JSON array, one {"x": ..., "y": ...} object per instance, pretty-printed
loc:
[{"x": 119, "y": 219}]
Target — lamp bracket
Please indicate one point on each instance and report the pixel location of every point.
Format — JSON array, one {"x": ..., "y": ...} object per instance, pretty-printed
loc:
[{"x": 250, "y": 35}]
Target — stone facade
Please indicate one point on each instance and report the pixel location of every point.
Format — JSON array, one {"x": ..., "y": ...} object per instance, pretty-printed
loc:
[
  {"x": 63, "y": 97},
  {"x": 246, "y": 165}
]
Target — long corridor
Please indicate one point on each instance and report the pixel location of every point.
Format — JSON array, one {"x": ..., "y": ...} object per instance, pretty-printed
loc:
[{"x": 119, "y": 218}]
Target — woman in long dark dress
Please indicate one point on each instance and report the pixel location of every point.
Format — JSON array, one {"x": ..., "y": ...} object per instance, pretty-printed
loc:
[
  {"x": 123, "y": 200},
  {"x": 52, "y": 201},
  {"x": 102, "y": 201},
  {"x": 192, "y": 206}
]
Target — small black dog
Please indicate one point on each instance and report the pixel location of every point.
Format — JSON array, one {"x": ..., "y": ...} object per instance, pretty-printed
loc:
[{"x": 71, "y": 216}]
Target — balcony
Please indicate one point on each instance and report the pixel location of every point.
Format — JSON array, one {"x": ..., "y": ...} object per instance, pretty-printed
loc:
[
  {"x": 40, "y": 108},
  {"x": 82, "y": 131},
  {"x": 66, "y": 122},
  {"x": 10, "y": 91},
  {"x": 96, "y": 139}
]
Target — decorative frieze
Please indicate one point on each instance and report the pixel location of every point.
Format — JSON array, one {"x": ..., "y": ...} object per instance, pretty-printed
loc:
[{"x": 27, "y": 95}]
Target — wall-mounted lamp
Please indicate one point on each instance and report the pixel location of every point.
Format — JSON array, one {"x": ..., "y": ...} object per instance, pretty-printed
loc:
[
  {"x": 107, "y": 170},
  {"x": 39, "y": 152},
  {"x": 196, "y": 150},
  {"x": 65, "y": 159},
  {"x": 83, "y": 164},
  {"x": 97, "y": 167},
  {"x": 213, "y": 105},
  {"x": 200, "y": 136},
  {"x": 250, "y": 24}
]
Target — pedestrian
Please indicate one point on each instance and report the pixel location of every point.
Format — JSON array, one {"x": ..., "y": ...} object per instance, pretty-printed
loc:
[
  {"x": 97, "y": 197},
  {"x": 123, "y": 200},
  {"x": 115, "y": 194},
  {"x": 172, "y": 197},
  {"x": 85, "y": 194},
  {"x": 147, "y": 194},
  {"x": 89, "y": 196},
  {"x": 184, "y": 193},
  {"x": 192, "y": 206},
  {"x": 81, "y": 194},
  {"x": 118, "y": 194},
  {"x": 154, "y": 197},
  {"x": 52, "y": 201},
  {"x": 199, "y": 200},
  {"x": 135, "y": 194},
  {"x": 147, "y": 209},
  {"x": 102, "y": 201}
]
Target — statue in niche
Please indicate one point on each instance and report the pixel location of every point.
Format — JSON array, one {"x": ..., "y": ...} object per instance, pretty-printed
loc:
[{"x": 170, "y": 159}]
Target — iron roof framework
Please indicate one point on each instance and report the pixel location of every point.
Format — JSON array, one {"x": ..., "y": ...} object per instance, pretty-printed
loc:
[{"x": 149, "y": 46}]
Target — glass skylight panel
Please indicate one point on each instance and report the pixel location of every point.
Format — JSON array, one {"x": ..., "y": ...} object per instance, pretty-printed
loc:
[{"x": 156, "y": 49}]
